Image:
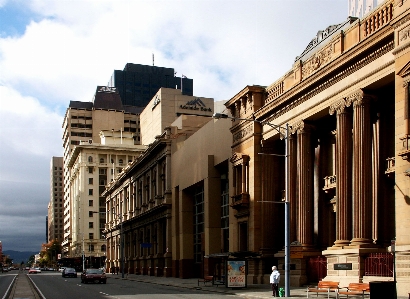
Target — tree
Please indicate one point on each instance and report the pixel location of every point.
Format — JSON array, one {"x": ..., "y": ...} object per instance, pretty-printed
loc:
[
  {"x": 49, "y": 253},
  {"x": 31, "y": 260}
]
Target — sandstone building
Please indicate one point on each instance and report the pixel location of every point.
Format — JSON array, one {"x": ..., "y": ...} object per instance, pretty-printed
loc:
[{"x": 346, "y": 99}]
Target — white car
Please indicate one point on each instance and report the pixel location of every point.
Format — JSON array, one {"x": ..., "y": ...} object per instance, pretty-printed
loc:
[
  {"x": 61, "y": 269},
  {"x": 34, "y": 271}
]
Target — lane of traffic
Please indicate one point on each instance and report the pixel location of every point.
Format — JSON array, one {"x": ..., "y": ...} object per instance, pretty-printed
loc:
[{"x": 6, "y": 282}]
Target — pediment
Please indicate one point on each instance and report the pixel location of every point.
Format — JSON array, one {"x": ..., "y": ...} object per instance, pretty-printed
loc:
[{"x": 405, "y": 71}]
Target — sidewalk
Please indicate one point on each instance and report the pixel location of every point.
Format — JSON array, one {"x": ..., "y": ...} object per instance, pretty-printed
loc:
[{"x": 251, "y": 291}]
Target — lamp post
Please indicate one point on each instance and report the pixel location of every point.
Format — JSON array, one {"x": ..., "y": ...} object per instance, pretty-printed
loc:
[{"x": 286, "y": 202}]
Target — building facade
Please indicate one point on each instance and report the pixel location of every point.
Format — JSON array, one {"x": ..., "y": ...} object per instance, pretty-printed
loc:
[
  {"x": 137, "y": 84},
  {"x": 92, "y": 166},
  {"x": 140, "y": 201},
  {"x": 346, "y": 100},
  {"x": 55, "y": 224},
  {"x": 82, "y": 124}
]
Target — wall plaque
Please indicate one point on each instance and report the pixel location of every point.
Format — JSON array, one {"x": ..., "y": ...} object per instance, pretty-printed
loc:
[{"x": 342, "y": 266}]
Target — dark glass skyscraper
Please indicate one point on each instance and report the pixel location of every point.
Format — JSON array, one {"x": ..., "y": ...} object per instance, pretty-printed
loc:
[{"x": 137, "y": 84}]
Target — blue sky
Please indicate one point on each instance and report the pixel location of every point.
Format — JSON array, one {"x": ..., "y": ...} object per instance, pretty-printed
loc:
[{"x": 54, "y": 51}]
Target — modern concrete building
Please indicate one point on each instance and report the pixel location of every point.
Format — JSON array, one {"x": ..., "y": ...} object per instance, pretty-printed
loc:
[
  {"x": 346, "y": 99},
  {"x": 165, "y": 107},
  {"x": 82, "y": 124},
  {"x": 55, "y": 224},
  {"x": 137, "y": 84}
]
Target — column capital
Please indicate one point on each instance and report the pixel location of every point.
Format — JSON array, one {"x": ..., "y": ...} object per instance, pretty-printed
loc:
[
  {"x": 358, "y": 98},
  {"x": 302, "y": 127},
  {"x": 338, "y": 107}
]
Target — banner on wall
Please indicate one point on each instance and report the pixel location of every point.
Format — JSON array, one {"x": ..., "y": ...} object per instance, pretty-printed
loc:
[{"x": 236, "y": 271}]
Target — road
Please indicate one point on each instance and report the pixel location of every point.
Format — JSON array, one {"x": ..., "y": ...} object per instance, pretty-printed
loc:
[
  {"x": 5, "y": 282},
  {"x": 52, "y": 285}
]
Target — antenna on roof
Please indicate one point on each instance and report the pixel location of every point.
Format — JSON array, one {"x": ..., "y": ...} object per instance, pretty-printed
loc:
[{"x": 152, "y": 59}]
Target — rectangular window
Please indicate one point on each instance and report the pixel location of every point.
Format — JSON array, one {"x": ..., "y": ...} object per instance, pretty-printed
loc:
[
  {"x": 90, "y": 191},
  {"x": 243, "y": 236},
  {"x": 198, "y": 222},
  {"x": 90, "y": 224},
  {"x": 225, "y": 212},
  {"x": 91, "y": 236},
  {"x": 90, "y": 203},
  {"x": 90, "y": 181},
  {"x": 90, "y": 169},
  {"x": 90, "y": 213}
]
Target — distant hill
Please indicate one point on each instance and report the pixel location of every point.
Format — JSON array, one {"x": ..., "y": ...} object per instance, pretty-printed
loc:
[{"x": 19, "y": 256}]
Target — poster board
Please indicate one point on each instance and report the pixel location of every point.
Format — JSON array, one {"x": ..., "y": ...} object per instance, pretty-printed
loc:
[{"x": 236, "y": 272}]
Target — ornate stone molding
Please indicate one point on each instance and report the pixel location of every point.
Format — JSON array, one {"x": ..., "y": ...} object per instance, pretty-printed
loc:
[
  {"x": 241, "y": 134},
  {"x": 404, "y": 34},
  {"x": 239, "y": 158},
  {"x": 302, "y": 127},
  {"x": 356, "y": 97},
  {"x": 338, "y": 107},
  {"x": 338, "y": 76},
  {"x": 317, "y": 61}
]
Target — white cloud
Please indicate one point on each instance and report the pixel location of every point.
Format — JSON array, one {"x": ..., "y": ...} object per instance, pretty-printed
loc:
[
  {"x": 70, "y": 47},
  {"x": 27, "y": 127}
]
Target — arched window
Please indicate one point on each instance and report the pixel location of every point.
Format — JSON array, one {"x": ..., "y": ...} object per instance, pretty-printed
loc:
[
  {"x": 103, "y": 248},
  {"x": 90, "y": 159}
]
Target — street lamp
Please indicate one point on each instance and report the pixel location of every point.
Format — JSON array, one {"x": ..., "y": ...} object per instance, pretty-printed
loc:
[
  {"x": 286, "y": 202},
  {"x": 121, "y": 242}
]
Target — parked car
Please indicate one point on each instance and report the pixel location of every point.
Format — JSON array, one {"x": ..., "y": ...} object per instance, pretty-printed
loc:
[
  {"x": 93, "y": 275},
  {"x": 69, "y": 272},
  {"x": 61, "y": 269},
  {"x": 34, "y": 271}
]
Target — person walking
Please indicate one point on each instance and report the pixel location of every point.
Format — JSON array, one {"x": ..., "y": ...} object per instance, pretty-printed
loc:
[{"x": 274, "y": 281}]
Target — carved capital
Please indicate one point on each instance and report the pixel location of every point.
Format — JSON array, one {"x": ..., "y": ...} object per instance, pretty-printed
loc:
[
  {"x": 302, "y": 127},
  {"x": 354, "y": 97},
  {"x": 338, "y": 107}
]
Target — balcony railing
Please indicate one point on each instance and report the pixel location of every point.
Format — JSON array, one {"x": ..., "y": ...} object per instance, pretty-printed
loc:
[
  {"x": 379, "y": 264},
  {"x": 405, "y": 150},
  {"x": 330, "y": 182},
  {"x": 390, "y": 166},
  {"x": 240, "y": 200}
]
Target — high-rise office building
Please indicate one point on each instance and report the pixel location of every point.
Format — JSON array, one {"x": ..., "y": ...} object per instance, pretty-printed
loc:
[
  {"x": 55, "y": 225},
  {"x": 137, "y": 84},
  {"x": 82, "y": 124}
]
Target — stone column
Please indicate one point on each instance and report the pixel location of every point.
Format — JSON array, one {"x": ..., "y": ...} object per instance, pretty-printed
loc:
[
  {"x": 293, "y": 170},
  {"x": 305, "y": 185},
  {"x": 362, "y": 170},
  {"x": 343, "y": 173}
]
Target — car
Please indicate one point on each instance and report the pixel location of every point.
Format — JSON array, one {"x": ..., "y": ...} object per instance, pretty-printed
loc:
[
  {"x": 61, "y": 269},
  {"x": 93, "y": 275},
  {"x": 34, "y": 271},
  {"x": 27, "y": 268},
  {"x": 69, "y": 272},
  {"x": 5, "y": 269}
]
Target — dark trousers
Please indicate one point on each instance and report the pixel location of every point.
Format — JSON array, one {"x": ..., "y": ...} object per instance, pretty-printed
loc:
[{"x": 274, "y": 289}]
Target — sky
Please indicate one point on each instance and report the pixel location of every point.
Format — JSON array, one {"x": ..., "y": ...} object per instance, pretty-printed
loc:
[{"x": 56, "y": 51}]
